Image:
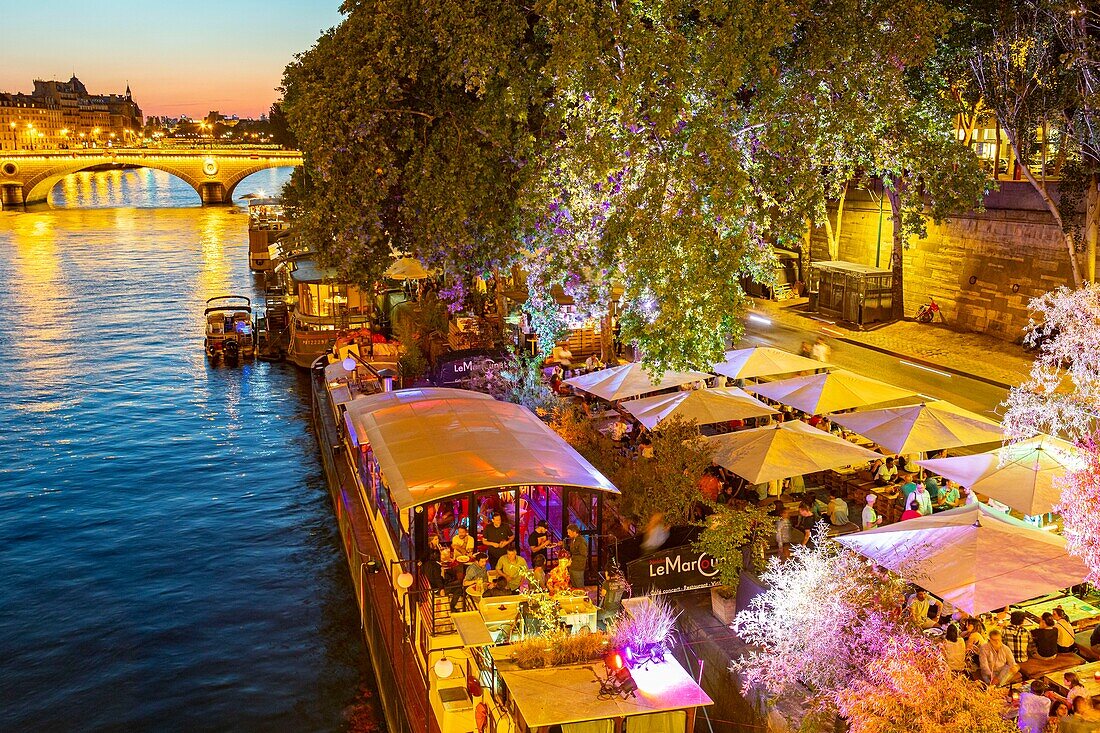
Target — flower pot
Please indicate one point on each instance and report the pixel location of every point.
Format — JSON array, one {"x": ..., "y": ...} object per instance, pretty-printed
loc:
[{"x": 723, "y": 608}]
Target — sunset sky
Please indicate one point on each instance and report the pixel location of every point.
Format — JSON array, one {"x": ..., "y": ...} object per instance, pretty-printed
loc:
[{"x": 186, "y": 57}]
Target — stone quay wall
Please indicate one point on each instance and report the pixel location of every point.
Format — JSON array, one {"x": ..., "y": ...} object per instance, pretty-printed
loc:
[{"x": 1012, "y": 252}]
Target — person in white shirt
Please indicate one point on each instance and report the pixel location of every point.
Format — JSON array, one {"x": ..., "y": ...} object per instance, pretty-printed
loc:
[
  {"x": 870, "y": 517},
  {"x": 922, "y": 501},
  {"x": 996, "y": 664},
  {"x": 919, "y": 606},
  {"x": 887, "y": 473},
  {"x": 954, "y": 649}
]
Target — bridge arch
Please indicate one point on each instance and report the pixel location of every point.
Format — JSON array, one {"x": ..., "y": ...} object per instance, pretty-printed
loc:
[
  {"x": 233, "y": 181},
  {"x": 214, "y": 173},
  {"x": 36, "y": 189}
]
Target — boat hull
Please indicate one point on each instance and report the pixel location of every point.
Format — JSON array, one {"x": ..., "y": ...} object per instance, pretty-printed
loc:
[{"x": 403, "y": 690}]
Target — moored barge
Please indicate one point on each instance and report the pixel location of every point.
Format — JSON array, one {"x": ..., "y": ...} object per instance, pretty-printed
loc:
[{"x": 411, "y": 469}]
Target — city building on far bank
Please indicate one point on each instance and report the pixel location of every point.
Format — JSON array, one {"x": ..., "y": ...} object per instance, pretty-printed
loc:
[{"x": 63, "y": 114}]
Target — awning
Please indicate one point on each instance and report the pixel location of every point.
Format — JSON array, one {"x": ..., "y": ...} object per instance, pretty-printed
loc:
[
  {"x": 783, "y": 450},
  {"x": 975, "y": 557},
  {"x": 830, "y": 392},
  {"x": 408, "y": 268},
  {"x": 919, "y": 428},
  {"x": 764, "y": 361},
  {"x": 436, "y": 443},
  {"x": 630, "y": 380},
  {"x": 704, "y": 406},
  {"x": 1020, "y": 475}
]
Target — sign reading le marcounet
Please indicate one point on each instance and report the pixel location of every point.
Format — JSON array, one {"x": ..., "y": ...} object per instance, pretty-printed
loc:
[{"x": 673, "y": 570}]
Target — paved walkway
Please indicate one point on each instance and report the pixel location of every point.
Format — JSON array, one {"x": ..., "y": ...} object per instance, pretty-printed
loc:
[{"x": 935, "y": 344}]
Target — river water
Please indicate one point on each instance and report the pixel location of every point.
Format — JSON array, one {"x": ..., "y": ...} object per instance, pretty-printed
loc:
[{"x": 168, "y": 553}]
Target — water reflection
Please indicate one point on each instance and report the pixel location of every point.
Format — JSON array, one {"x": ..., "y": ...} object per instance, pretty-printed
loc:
[{"x": 168, "y": 553}]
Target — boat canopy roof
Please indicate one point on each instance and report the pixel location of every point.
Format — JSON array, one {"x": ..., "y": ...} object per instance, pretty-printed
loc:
[
  {"x": 308, "y": 271},
  {"x": 435, "y": 443}
]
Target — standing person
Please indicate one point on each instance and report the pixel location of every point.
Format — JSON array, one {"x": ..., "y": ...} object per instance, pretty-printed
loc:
[
  {"x": 538, "y": 541},
  {"x": 870, "y": 517},
  {"x": 806, "y": 350},
  {"x": 922, "y": 500},
  {"x": 820, "y": 350},
  {"x": 498, "y": 536},
  {"x": 804, "y": 523},
  {"x": 578, "y": 554},
  {"x": 462, "y": 543},
  {"x": 996, "y": 664},
  {"x": 783, "y": 533}
]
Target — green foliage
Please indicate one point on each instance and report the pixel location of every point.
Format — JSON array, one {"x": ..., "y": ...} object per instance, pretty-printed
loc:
[
  {"x": 519, "y": 379},
  {"x": 664, "y": 147},
  {"x": 727, "y": 533},
  {"x": 667, "y": 484}
]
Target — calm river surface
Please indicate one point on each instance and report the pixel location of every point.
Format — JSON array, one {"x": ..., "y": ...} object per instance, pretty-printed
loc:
[{"x": 168, "y": 554}]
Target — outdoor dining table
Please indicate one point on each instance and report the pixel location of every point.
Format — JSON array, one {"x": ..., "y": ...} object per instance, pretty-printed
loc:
[
  {"x": 1078, "y": 611},
  {"x": 1087, "y": 673}
]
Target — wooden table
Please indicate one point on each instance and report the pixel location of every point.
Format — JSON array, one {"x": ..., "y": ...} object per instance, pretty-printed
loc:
[
  {"x": 1085, "y": 672},
  {"x": 1076, "y": 609}
]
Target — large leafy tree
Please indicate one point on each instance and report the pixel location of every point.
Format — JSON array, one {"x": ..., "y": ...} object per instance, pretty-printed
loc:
[
  {"x": 1036, "y": 64},
  {"x": 662, "y": 146}
]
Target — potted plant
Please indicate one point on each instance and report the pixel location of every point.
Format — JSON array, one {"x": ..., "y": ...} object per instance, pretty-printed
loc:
[{"x": 726, "y": 535}]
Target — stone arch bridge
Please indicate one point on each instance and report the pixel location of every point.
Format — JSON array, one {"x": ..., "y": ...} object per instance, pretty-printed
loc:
[{"x": 27, "y": 177}]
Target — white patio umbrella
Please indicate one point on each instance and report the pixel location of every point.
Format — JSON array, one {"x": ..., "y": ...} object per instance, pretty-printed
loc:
[
  {"x": 783, "y": 450},
  {"x": 764, "y": 361},
  {"x": 918, "y": 428},
  {"x": 829, "y": 392},
  {"x": 407, "y": 268},
  {"x": 974, "y": 557},
  {"x": 704, "y": 406},
  {"x": 1020, "y": 475},
  {"x": 630, "y": 380}
]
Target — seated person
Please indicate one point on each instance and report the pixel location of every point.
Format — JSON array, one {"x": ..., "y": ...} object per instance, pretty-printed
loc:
[
  {"x": 887, "y": 473},
  {"x": 837, "y": 510},
  {"x": 920, "y": 607},
  {"x": 1045, "y": 638},
  {"x": 592, "y": 363},
  {"x": 907, "y": 489},
  {"x": 819, "y": 508},
  {"x": 475, "y": 574},
  {"x": 498, "y": 588},
  {"x": 562, "y": 355},
  {"x": 558, "y": 580},
  {"x": 948, "y": 496},
  {"x": 1034, "y": 708},
  {"x": 996, "y": 665},
  {"x": 462, "y": 543},
  {"x": 1017, "y": 637},
  {"x": 512, "y": 568}
]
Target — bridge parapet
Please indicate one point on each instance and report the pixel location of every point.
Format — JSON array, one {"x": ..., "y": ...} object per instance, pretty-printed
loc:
[{"x": 26, "y": 177}]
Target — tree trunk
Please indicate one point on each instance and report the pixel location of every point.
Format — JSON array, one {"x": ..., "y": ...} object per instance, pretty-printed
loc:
[
  {"x": 834, "y": 237},
  {"x": 894, "y": 194},
  {"x": 1092, "y": 225},
  {"x": 1052, "y": 207}
]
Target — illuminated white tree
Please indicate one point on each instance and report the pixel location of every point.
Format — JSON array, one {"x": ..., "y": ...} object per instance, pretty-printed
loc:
[
  {"x": 830, "y": 630},
  {"x": 1062, "y": 397},
  {"x": 1062, "y": 393}
]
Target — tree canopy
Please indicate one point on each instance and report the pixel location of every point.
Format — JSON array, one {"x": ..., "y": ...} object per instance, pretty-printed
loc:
[{"x": 663, "y": 146}]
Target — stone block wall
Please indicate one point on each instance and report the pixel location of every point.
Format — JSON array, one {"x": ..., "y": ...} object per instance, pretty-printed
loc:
[{"x": 1013, "y": 251}]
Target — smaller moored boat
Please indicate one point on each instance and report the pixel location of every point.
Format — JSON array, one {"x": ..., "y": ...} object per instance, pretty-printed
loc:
[{"x": 229, "y": 328}]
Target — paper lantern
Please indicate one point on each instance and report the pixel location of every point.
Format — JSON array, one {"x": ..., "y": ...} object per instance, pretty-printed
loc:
[
  {"x": 348, "y": 363},
  {"x": 405, "y": 580},
  {"x": 444, "y": 667}
]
